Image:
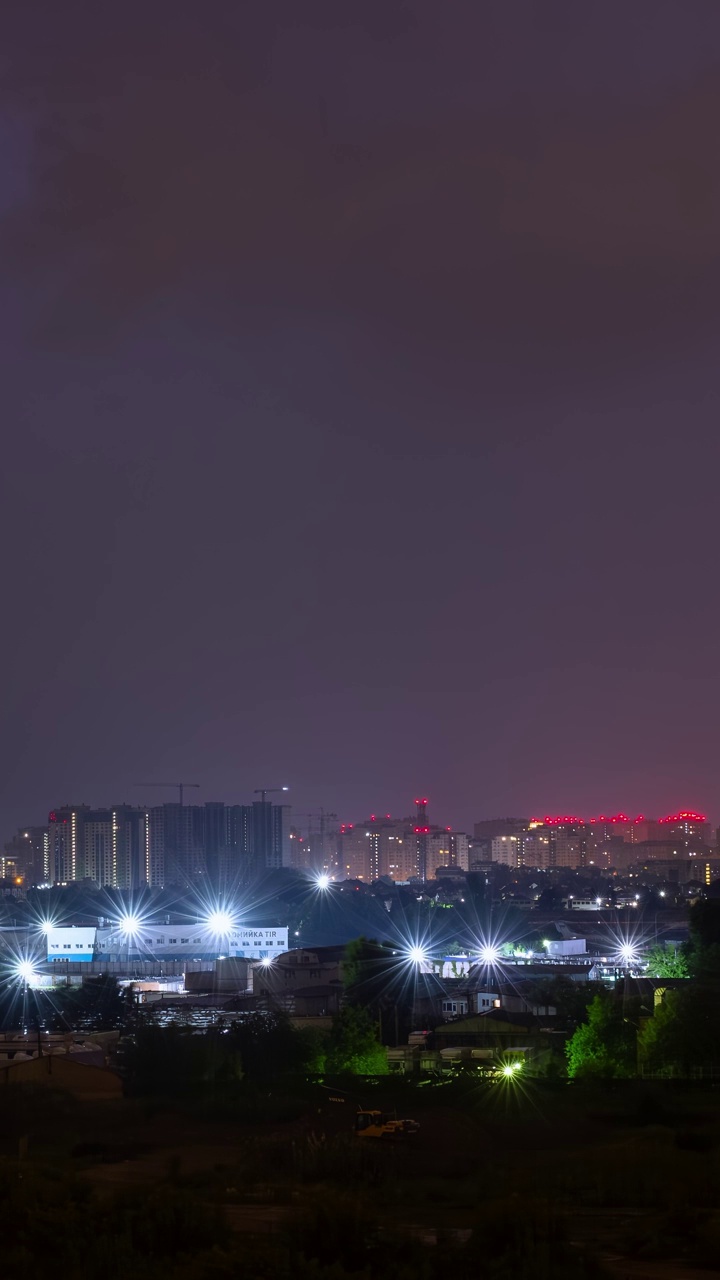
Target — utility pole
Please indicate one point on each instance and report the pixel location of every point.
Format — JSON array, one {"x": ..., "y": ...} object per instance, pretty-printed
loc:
[{"x": 180, "y": 786}]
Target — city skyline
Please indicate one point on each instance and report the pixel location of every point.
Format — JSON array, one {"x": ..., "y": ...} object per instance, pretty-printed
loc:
[
  {"x": 469, "y": 817},
  {"x": 172, "y": 843},
  {"x": 544, "y": 813},
  {"x": 360, "y": 392},
  {"x": 359, "y": 528}
]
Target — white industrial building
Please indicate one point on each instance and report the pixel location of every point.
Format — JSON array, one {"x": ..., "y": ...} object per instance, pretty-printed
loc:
[{"x": 149, "y": 941}]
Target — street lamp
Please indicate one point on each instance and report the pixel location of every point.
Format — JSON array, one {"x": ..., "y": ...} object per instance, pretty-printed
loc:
[
  {"x": 25, "y": 973},
  {"x": 130, "y": 925},
  {"x": 220, "y": 923}
]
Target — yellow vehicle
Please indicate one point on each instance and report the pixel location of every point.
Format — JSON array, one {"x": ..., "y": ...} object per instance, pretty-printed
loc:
[{"x": 373, "y": 1124}]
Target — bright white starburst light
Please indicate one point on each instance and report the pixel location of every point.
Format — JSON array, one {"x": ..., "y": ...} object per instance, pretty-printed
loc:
[
  {"x": 130, "y": 925},
  {"x": 220, "y": 922}
]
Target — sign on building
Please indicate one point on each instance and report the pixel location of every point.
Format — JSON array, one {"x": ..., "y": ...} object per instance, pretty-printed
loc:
[{"x": 254, "y": 944}]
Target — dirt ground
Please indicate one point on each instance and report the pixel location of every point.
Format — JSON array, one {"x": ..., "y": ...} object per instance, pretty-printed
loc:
[{"x": 593, "y": 1154}]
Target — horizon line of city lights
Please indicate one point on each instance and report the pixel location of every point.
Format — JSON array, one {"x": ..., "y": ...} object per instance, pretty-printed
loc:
[
  {"x": 569, "y": 819},
  {"x": 625, "y": 948},
  {"x": 491, "y": 957},
  {"x": 682, "y": 815}
]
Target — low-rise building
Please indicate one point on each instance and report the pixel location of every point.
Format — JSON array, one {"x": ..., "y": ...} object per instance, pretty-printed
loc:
[{"x": 301, "y": 978}]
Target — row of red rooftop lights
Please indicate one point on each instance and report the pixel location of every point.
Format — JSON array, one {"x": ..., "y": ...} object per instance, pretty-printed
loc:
[{"x": 685, "y": 815}]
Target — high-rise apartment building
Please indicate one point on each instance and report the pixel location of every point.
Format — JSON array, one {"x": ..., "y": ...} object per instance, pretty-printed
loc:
[
  {"x": 504, "y": 849},
  {"x": 399, "y": 849},
  {"x": 534, "y": 847},
  {"x": 486, "y": 835},
  {"x": 316, "y": 849},
  {"x": 358, "y": 851},
  {"x": 271, "y": 834},
  {"x": 29, "y": 849},
  {"x": 113, "y": 844},
  {"x": 374, "y": 848},
  {"x": 106, "y": 846},
  {"x": 608, "y": 841},
  {"x": 175, "y": 851},
  {"x": 556, "y": 842},
  {"x": 687, "y": 829},
  {"x": 66, "y": 856},
  {"x": 215, "y": 842},
  {"x": 125, "y": 846},
  {"x": 448, "y": 849},
  {"x": 399, "y": 854}
]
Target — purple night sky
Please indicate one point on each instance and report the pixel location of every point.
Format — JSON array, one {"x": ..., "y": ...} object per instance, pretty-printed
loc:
[{"x": 360, "y": 403}]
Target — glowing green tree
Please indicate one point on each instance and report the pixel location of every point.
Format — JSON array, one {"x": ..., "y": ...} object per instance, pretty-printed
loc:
[
  {"x": 604, "y": 1046},
  {"x": 666, "y": 962},
  {"x": 354, "y": 1046}
]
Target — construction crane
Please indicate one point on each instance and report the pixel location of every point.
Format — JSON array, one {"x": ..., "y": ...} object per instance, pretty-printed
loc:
[
  {"x": 180, "y": 786},
  {"x": 265, "y": 791},
  {"x": 324, "y": 817}
]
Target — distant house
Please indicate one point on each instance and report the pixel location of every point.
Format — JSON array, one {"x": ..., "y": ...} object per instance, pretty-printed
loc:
[
  {"x": 496, "y": 1029},
  {"x": 437, "y": 997},
  {"x": 455, "y": 1006},
  {"x": 512, "y": 1000}
]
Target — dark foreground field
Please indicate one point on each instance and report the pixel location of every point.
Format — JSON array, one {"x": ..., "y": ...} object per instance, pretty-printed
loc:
[{"x": 503, "y": 1179}]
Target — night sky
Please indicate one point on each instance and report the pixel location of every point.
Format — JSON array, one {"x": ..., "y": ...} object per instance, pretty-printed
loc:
[{"x": 360, "y": 401}]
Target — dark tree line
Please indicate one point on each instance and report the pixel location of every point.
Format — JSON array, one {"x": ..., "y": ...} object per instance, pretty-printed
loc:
[{"x": 679, "y": 1035}]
